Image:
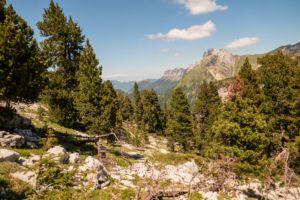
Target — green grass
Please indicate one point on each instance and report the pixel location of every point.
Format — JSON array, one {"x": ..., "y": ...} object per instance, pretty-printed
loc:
[{"x": 14, "y": 188}]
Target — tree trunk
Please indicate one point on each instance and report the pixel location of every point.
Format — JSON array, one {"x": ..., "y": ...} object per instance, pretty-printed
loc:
[{"x": 7, "y": 103}]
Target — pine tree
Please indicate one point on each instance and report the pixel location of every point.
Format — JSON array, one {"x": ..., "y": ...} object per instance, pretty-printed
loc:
[
  {"x": 138, "y": 106},
  {"x": 151, "y": 111},
  {"x": 165, "y": 115},
  {"x": 205, "y": 113},
  {"x": 277, "y": 74},
  {"x": 21, "y": 67},
  {"x": 127, "y": 110},
  {"x": 89, "y": 96},
  {"x": 251, "y": 83},
  {"x": 179, "y": 125},
  {"x": 62, "y": 48},
  {"x": 241, "y": 127}
]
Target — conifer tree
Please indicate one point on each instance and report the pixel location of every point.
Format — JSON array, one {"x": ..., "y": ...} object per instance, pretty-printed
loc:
[
  {"x": 179, "y": 125},
  {"x": 241, "y": 127},
  {"x": 127, "y": 110},
  {"x": 151, "y": 111},
  {"x": 205, "y": 113},
  {"x": 62, "y": 47},
  {"x": 21, "y": 67},
  {"x": 251, "y": 83},
  {"x": 277, "y": 75},
  {"x": 165, "y": 115},
  {"x": 138, "y": 106},
  {"x": 89, "y": 95}
]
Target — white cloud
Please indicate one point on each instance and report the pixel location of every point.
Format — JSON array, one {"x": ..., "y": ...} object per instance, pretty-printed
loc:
[
  {"x": 192, "y": 33},
  {"x": 201, "y": 6},
  {"x": 164, "y": 50},
  {"x": 242, "y": 42},
  {"x": 176, "y": 54}
]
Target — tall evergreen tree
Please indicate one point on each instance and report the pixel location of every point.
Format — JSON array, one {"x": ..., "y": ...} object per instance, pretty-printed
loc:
[
  {"x": 21, "y": 67},
  {"x": 251, "y": 83},
  {"x": 205, "y": 113},
  {"x": 62, "y": 48},
  {"x": 89, "y": 95},
  {"x": 241, "y": 127},
  {"x": 127, "y": 110},
  {"x": 138, "y": 106},
  {"x": 151, "y": 111},
  {"x": 277, "y": 75},
  {"x": 179, "y": 125}
]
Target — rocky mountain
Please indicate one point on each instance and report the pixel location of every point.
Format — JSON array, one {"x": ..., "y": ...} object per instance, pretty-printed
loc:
[
  {"x": 216, "y": 65},
  {"x": 124, "y": 86},
  {"x": 177, "y": 72}
]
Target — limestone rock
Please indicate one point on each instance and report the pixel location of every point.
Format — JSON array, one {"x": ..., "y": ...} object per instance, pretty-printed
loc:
[
  {"x": 57, "y": 150},
  {"x": 94, "y": 164},
  {"x": 8, "y": 156},
  {"x": 10, "y": 140},
  {"x": 175, "y": 72},
  {"x": 29, "y": 177},
  {"x": 75, "y": 158}
]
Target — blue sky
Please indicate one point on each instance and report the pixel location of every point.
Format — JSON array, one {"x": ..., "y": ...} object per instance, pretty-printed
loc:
[{"x": 139, "y": 39}]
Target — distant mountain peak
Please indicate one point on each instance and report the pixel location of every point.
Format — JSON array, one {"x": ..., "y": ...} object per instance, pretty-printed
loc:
[{"x": 175, "y": 72}]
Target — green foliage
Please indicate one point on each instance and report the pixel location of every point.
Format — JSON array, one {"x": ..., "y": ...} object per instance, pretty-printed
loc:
[
  {"x": 127, "y": 109},
  {"x": 22, "y": 67},
  {"x": 51, "y": 174},
  {"x": 179, "y": 125},
  {"x": 152, "y": 119},
  {"x": 196, "y": 196},
  {"x": 61, "y": 48},
  {"x": 138, "y": 106},
  {"x": 251, "y": 83},
  {"x": 239, "y": 125},
  {"x": 15, "y": 188},
  {"x": 204, "y": 114}
]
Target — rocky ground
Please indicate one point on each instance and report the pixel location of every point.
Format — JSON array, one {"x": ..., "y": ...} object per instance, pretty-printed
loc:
[{"x": 126, "y": 168}]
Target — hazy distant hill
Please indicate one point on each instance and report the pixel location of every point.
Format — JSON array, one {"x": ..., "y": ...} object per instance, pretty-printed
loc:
[
  {"x": 124, "y": 86},
  {"x": 142, "y": 85}
]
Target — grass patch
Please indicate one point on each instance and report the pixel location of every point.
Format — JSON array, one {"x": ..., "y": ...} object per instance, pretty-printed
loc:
[
  {"x": 173, "y": 158},
  {"x": 196, "y": 196},
  {"x": 25, "y": 152},
  {"x": 15, "y": 189}
]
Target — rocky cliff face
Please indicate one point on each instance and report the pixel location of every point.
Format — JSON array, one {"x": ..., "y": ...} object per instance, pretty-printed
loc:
[
  {"x": 289, "y": 49},
  {"x": 219, "y": 62},
  {"x": 175, "y": 72}
]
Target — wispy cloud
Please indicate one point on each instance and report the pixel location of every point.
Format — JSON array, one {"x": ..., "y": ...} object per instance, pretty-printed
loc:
[
  {"x": 164, "y": 50},
  {"x": 201, "y": 6},
  {"x": 176, "y": 55},
  {"x": 192, "y": 33},
  {"x": 242, "y": 42}
]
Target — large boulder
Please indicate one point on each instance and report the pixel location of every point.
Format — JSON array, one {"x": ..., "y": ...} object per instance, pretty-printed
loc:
[
  {"x": 8, "y": 156},
  {"x": 61, "y": 153},
  {"x": 11, "y": 140},
  {"x": 74, "y": 158},
  {"x": 101, "y": 174}
]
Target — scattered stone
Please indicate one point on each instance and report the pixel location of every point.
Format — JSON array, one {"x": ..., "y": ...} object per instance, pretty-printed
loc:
[
  {"x": 163, "y": 151},
  {"x": 116, "y": 177},
  {"x": 16, "y": 121},
  {"x": 62, "y": 154},
  {"x": 75, "y": 158},
  {"x": 8, "y": 156},
  {"x": 128, "y": 183}
]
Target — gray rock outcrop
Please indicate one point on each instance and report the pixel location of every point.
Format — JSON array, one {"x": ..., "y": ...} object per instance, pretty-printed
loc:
[
  {"x": 8, "y": 156},
  {"x": 61, "y": 153},
  {"x": 74, "y": 158},
  {"x": 175, "y": 72},
  {"x": 19, "y": 138}
]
